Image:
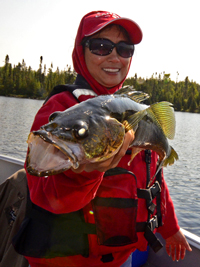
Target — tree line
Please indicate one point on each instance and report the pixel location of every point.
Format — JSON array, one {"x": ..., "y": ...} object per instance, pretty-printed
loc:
[
  {"x": 22, "y": 81},
  {"x": 184, "y": 95}
]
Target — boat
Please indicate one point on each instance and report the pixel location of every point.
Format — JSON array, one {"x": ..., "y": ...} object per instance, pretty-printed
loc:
[{"x": 9, "y": 165}]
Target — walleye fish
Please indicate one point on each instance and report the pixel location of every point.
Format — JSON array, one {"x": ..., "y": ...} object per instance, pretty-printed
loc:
[{"x": 94, "y": 130}]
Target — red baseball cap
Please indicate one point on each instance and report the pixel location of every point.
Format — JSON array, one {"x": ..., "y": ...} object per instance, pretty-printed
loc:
[{"x": 97, "y": 20}]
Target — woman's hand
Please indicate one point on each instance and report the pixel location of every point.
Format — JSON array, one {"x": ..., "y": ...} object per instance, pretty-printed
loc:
[
  {"x": 176, "y": 246},
  {"x": 111, "y": 162}
]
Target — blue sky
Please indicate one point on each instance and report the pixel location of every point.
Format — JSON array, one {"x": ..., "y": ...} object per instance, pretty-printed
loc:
[{"x": 171, "y": 43}]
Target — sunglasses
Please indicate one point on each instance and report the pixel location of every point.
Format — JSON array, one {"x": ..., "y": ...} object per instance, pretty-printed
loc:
[{"x": 104, "y": 47}]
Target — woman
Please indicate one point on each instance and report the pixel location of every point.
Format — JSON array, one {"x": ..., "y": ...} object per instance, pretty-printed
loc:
[{"x": 102, "y": 56}]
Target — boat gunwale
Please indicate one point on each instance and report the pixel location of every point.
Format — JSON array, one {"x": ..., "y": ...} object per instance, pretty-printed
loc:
[{"x": 12, "y": 160}]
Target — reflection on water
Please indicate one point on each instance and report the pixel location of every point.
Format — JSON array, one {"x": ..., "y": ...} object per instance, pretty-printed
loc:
[
  {"x": 16, "y": 117},
  {"x": 183, "y": 178}
]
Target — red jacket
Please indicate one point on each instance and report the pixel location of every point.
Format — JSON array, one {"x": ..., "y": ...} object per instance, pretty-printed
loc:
[{"x": 68, "y": 192}]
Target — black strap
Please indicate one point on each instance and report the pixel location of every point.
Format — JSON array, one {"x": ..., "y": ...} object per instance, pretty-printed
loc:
[
  {"x": 154, "y": 242},
  {"x": 118, "y": 170},
  {"x": 148, "y": 228},
  {"x": 154, "y": 190},
  {"x": 107, "y": 258},
  {"x": 152, "y": 224},
  {"x": 79, "y": 83},
  {"x": 61, "y": 88},
  {"x": 148, "y": 164},
  {"x": 158, "y": 198},
  {"x": 149, "y": 194}
]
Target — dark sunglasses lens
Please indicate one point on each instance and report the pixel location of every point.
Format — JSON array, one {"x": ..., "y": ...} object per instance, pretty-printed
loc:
[
  {"x": 125, "y": 50},
  {"x": 100, "y": 47},
  {"x": 104, "y": 47}
]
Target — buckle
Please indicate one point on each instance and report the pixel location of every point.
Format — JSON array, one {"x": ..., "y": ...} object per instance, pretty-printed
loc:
[
  {"x": 153, "y": 223},
  {"x": 151, "y": 207},
  {"x": 155, "y": 189}
]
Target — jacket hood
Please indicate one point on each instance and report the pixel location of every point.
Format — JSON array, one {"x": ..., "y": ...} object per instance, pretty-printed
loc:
[{"x": 78, "y": 51}]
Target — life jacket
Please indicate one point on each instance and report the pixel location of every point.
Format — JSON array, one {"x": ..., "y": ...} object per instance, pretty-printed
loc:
[{"x": 47, "y": 235}]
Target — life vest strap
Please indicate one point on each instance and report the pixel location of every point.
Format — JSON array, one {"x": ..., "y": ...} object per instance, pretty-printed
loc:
[
  {"x": 148, "y": 228},
  {"x": 107, "y": 258},
  {"x": 153, "y": 241},
  {"x": 152, "y": 224},
  {"x": 149, "y": 194}
]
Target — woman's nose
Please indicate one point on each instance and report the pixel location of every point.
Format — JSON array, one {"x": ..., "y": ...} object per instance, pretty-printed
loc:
[{"x": 114, "y": 56}]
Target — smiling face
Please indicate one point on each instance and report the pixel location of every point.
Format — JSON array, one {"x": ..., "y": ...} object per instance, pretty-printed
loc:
[{"x": 108, "y": 70}]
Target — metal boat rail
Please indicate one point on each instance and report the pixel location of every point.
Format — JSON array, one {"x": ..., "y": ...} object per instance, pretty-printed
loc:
[{"x": 8, "y": 166}]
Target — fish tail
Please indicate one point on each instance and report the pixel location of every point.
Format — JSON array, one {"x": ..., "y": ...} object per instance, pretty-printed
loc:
[
  {"x": 171, "y": 159},
  {"x": 162, "y": 114},
  {"x": 168, "y": 161}
]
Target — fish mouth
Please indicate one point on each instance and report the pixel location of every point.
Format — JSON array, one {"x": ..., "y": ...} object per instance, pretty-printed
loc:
[{"x": 49, "y": 155}]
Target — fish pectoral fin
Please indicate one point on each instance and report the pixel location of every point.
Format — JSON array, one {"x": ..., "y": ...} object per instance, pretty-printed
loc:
[
  {"x": 171, "y": 159},
  {"x": 132, "y": 122},
  {"x": 162, "y": 114},
  {"x": 130, "y": 92}
]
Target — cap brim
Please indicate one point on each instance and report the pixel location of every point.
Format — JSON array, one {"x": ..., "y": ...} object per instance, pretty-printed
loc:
[{"x": 133, "y": 29}]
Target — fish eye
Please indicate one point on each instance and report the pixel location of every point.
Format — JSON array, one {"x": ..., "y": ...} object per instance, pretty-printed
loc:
[{"x": 80, "y": 129}]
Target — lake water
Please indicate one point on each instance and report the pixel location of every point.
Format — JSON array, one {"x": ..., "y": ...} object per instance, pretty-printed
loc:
[{"x": 183, "y": 178}]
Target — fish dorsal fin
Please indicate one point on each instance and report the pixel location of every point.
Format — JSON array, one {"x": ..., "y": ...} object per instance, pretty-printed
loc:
[
  {"x": 129, "y": 91},
  {"x": 162, "y": 114}
]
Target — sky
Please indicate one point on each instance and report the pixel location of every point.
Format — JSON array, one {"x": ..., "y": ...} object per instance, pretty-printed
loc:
[{"x": 171, "y": 37}]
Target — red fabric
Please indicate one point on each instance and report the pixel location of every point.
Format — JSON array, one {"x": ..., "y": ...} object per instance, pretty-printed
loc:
[
  {"x": 97, "y": 20},
  {"x": 69, "y": 192}
]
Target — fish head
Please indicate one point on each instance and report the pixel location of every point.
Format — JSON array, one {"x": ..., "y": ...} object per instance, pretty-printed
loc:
[{"x": 72, "y": 138}]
